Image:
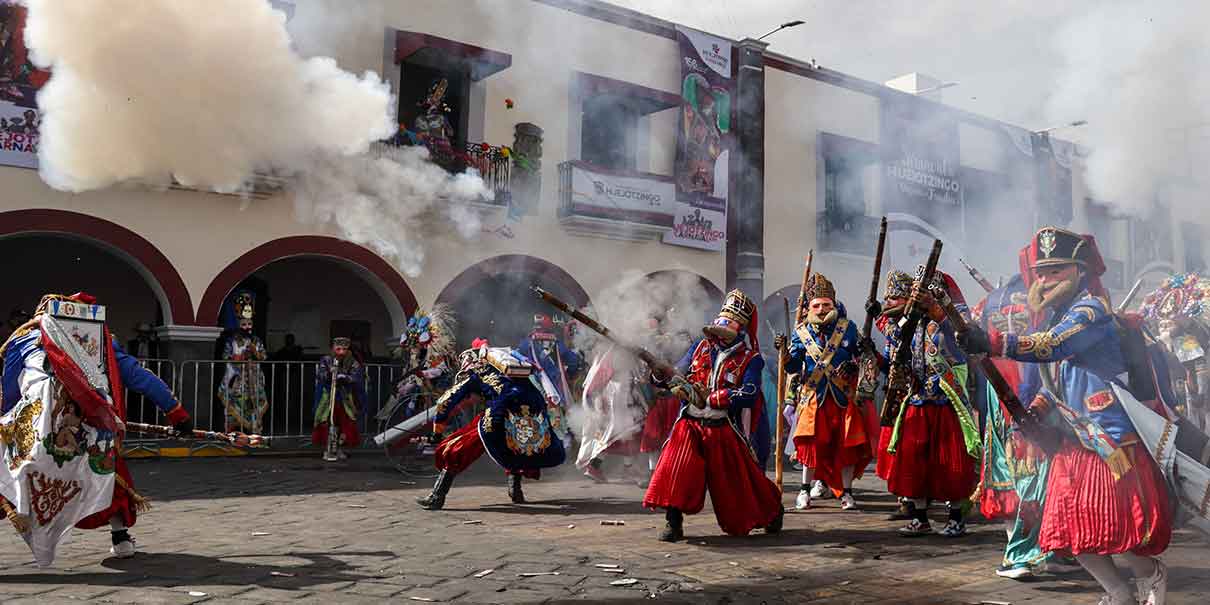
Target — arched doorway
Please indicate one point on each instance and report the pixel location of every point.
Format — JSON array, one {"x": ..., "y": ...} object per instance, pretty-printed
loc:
[
  {"x": 312, "y": 286},
  {"x": 108, "y": 254},
  {"x": 494, "y": 298}
]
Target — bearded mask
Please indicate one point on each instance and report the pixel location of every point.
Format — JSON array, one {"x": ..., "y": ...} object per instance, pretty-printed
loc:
[{"x": 1051, "y": 294}]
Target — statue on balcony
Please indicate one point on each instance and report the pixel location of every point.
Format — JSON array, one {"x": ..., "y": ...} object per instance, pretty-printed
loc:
[
  {"x": 432, "y": 128},
  {"x": 526, "y": 176},
  {"x": 242, "y": 391},
  {"x": 705, "y": 118}
]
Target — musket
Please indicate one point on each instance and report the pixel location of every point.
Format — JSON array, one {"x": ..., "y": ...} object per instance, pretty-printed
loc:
[
  {"x": 330, "y": 452},
  {"x": 660, "y": 367},
  {"x": 977, "y": 276},
  {"x": 899, "y": 383},
  {"x": 779, "y": 465},
  {"x": 1130, "y": 296},
  {"x": 238, "y": 439},
  {"x": 867, "y": 381},
  {"x": 802, "y": 292},
  {"x": 1045, "y": 437}
]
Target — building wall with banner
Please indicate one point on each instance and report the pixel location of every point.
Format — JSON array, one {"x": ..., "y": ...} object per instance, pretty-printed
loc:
[{"x": 20, "y": 81}]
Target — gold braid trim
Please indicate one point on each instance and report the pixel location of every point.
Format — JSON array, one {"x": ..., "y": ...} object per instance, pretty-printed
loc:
[
  {"x": 141, "y": 504},
  {"x": 20, "y": 522}
]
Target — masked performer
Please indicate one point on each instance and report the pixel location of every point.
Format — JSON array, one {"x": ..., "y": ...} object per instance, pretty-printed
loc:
[
  {"x": 339, "y": 397},
  {"x": 556, "y": 366},
  {"x": 243, "y": 388}
]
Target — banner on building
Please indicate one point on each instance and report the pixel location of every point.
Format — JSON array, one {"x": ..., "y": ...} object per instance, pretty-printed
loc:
[
  {"x": 649, "y": 199},
  {"x": 703, "y": 141},
  {"x": 920, "y": 163},
  {"x": 19, "y": 84}
]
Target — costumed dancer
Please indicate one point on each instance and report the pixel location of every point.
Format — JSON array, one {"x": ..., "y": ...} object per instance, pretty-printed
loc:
[
  {"x": 1012, "y": 487},
  {"x": 1105, "y": 494},
  {"x": 339, "y": 395},
  {"x": 514, "y": 430},
  {"x": 832, "y": 437},
  {"x": 1178, "y": 310},
  {"x": 64, "y": 380},
  {"x": 614, "y": 404},
  {"x": 931, "y": 451},
  {"x": 243, "y": 388},
  {"x": 429, "y": 357},
  {"x": 556, "y": 366},
  {"x": 706, "y": 450}
]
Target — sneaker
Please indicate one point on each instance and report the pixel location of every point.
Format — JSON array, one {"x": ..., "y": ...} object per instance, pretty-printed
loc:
[
  {"x": 1013, "y": 572},
  {"x": 954, "y": 529},
  {"x": 916, "y": 528},
  {"x": 124, "y": 549},
  {"x": 819, "y": 490},
  {"x": 803, "y": 501},
  {"x": 847, "y": 502},
  {"x": 594, "y": 473},
  {"x": 1154, "y": 590}
]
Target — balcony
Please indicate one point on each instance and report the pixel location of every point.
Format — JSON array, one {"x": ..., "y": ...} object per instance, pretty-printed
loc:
[
  {"x": 846, "y": 233},
  {"x": 494, "y": 164},
  {"x": 596, "y": 202}
]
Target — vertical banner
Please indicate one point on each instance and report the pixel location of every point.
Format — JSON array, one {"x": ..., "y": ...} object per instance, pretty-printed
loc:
[
  {"x": 19, "y": 84},
  {"x": 702, "y": 141},
  {"x": 920, "y": 163}
]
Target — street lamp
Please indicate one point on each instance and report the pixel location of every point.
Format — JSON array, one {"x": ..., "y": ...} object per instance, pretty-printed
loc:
[
  {"x": 1067, "y": 125},
  {"x": 937, "y": 87},
  {"x": 785, "y": 25}
]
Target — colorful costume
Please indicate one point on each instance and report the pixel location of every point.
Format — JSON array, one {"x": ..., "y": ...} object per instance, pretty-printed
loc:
[
  {"x": 1105, "y": 495},
  {"x": 1178, "y": 312},
  {"x": 242, "y": 391},
  {"x": 707, "y": 450},
  {"x": 428, "y": 354},
  {"x": 665, "y": 407},
  {"x": 931, "y": 451},
  {"x": 515, "y": 430},
  {"x": 832, "y": 435},
  {"x": 556, "y": 366},
  {"x": 341, "y": 377},
  {"x": 62, "y": 426},
  {"x": 613, "y": 410}
]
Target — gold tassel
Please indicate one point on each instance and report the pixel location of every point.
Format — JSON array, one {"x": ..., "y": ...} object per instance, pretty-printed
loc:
[
  {"x": 141, "y": 504},
  {"x": 1119, "y": 463},
  {"x": 20, "y": 522}
]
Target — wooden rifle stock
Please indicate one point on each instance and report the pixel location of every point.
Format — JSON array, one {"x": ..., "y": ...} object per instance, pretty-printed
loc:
[
  {"x": 899, "y": 382},
  {"x": 658, "y": 366}
]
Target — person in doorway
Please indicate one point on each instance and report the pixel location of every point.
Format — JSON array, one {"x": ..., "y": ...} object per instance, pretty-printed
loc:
[
  {"x": 339, "y": 397},
  {"x": 290, "y": 351},
  {"x": 145, "y": 344}
]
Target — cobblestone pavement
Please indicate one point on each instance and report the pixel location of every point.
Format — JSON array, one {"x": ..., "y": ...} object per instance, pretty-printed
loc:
[{"x": 259, "y": 530}]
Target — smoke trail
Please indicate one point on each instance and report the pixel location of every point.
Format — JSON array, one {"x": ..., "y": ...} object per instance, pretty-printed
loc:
[{"x": 206, "y": 94}]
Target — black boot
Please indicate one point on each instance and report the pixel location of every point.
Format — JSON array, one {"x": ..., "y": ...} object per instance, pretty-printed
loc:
[
  {"x": 674, "y": 529},
  {"x": 514, "y": 489},
  {"x": 775, "y": 525},
  {"x": 436, "y": 499}
]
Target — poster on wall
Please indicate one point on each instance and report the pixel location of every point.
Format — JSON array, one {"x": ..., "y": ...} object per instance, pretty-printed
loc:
[
  {"x": 19, "y": 85},
  {"x": 920, "y": 164},
  {"x": 703, "y": 141},
  {"x": 646, "y": 199}
]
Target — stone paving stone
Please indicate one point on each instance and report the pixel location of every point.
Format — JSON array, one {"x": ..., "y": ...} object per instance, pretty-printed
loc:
[{"x": 273, "y": 595}]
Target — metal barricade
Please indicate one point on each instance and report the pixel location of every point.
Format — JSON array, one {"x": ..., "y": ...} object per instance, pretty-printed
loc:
[{"x": 142, "y": 409}]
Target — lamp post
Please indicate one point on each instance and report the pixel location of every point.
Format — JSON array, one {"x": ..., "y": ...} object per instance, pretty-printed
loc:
[{"x": 785, "y": 25}]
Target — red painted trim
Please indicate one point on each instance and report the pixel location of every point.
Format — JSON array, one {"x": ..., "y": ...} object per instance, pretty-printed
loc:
[
  {"x": 42, "y": 220},
  {"x": 512, "y": 263},
  {"x": 591, "y": 84},
  {"x": 302, "y": 245}
]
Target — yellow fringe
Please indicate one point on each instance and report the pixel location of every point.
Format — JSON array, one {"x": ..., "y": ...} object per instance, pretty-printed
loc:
[
  {"x": 1119, "y": 463},
  {"x": 141, "y": 504},
  {"x": 20, "y": 522}
]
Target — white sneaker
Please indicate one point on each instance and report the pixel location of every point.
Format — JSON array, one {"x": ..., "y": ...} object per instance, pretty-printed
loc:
[
  {"x": 847, "y": 502},
  {"x": 1154, "y": 590},
  {"x": 818, "y": 490},
  {"x": 124, "y": 549},
  {"x": 1014, "y": 573},
  {"x": 916, "y": 528},
  {"x": 803, "y": 501}
]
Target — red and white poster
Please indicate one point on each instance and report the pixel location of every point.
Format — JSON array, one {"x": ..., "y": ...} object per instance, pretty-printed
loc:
[{"x": 20, "y": 81}]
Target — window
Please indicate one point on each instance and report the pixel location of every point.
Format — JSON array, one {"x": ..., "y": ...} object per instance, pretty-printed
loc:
[
  {"x": 849, "y": 186},
  {"x": 433, "y": 106},
  {"x": 609, "y": 134}
]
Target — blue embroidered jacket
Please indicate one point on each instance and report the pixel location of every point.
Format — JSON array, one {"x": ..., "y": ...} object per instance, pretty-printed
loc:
[
  {"x": 1074, "y": 362},
  {"x": 832, "y": 382},
  {"x": 931, "y": 336},
  {"x": 572, "y": 364}
]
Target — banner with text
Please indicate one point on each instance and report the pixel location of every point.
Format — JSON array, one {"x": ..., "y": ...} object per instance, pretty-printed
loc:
[
  {"x": 703, "y": 141},
  {"x": 920, "y": 163},
  {"x": 649, "y": 199},
  {"x": 19, "y": 84}
]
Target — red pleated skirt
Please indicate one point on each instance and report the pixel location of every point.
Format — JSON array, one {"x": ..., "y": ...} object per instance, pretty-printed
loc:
[
  {"x": 698, "y": 458},
  {"x": 658, "y": 423},
  {"x": 121, "y": 506},
  {"x": 931, "y": 459},
  {"x": 1088, "y": 511},
  {"x": 832, "y": 448},
  {"x": 882, "y": 461},
  {"x": 461, "y": 449},
  {"x": 347, "y": 427}
]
